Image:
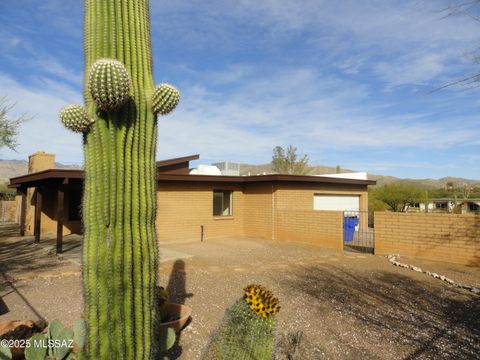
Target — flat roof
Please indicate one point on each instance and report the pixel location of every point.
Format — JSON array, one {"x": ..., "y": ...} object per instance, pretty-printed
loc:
[
  {"x": 31, "y": 179},
  {"x": 264, "y": 178}
]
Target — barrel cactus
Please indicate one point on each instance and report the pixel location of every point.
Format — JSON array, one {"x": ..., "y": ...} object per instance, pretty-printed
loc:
[
  {"x": 119, "y": 203},
  {"x": 247, "y": 330}
]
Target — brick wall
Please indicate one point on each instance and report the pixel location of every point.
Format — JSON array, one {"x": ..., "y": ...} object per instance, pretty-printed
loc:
[
  {"x": 443, "y": 237},
  {"x": 258, "y": 199},
  {"x": 323, "y": 228},
  {"x": 9, "y": 210},
  {"x": 183, "y": 208}
]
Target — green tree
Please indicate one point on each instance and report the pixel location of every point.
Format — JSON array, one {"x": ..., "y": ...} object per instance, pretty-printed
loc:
[
  {"x": 374, "y": 203},
  {"x": 289, "y": 162},
  {"x": 459, "y": 192},
  {"x": 9, "y": 125},
  {"x": 399, "y": 196}
]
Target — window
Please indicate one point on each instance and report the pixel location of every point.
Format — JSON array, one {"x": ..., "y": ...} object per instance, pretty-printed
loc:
[
  {"x": 222, "y": 202},
  {"x": 440, "y": 205},
  {"x": 473, "y": 207}
]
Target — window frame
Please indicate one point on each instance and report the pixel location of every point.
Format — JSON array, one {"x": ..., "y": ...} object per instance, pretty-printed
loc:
[{"x": 224, "y": 193}]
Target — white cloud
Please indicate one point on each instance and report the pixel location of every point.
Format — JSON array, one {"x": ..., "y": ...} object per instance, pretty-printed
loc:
[
  {"x": 409, "y": 38},
  {"x": 301, "y": 107},
  {"x": 408, "y": 70},
  {"x": 44, "y": 131}
]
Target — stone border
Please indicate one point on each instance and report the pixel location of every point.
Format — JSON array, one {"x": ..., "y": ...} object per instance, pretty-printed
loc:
[{"x": 392, "y": 258}]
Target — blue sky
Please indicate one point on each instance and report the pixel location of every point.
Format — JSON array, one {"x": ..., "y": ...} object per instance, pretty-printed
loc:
[{"x": 347, "y": 82}]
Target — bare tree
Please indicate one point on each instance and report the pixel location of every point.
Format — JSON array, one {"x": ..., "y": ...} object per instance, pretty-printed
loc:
[
  {"x": 9, "y": 126},
  {"x": 469, "y": 9}
]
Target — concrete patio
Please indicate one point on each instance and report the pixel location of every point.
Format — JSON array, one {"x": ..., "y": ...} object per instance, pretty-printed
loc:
[{"x": 72, "y": 249}]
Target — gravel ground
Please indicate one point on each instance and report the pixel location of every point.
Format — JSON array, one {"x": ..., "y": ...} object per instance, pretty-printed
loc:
[
  {"x": 469, "y": 275},
  {"x": 21, "y": 258},
  {"x": 347, "y": 306}
]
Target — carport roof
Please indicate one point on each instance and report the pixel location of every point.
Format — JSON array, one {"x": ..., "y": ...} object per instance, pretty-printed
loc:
[{"x": 32, "y": 180}]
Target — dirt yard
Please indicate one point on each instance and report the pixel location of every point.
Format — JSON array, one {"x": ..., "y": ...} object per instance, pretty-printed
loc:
[{"x": 347, "y": 306}]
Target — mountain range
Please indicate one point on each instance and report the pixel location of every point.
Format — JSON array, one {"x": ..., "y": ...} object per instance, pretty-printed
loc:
[
  {"x": 248, "y": 169},
  {"x": 13, "y": 168}
]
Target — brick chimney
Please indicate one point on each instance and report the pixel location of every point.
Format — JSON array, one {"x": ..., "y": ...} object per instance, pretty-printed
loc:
[{"x": 40, "y": 161}]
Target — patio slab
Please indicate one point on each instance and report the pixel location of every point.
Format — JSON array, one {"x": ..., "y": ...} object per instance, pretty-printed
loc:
[{"x": 72, "y": 249}]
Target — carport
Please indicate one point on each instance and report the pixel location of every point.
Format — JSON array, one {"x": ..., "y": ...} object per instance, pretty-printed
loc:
[{"x": 61, "y": 183}]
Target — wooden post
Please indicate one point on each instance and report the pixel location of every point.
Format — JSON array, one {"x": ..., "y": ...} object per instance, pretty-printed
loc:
[
  {"x": 60, "y": 214},
  {"x": 38, "y": 213},
  {"x": 23, "y": 210}
]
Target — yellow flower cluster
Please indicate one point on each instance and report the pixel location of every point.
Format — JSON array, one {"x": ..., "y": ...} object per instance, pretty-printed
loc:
[{"x": 261, "y": 300}]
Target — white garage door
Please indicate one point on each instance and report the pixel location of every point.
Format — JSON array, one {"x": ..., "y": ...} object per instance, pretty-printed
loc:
[{"x": 336, "y": 202}]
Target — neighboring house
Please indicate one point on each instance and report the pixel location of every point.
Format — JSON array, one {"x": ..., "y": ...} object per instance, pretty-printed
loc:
[
  {"x": 441, "y": 205},
  {"x": 265, "y": 206},
  {"x": 470, "y": 206},
  {"x": 447, "y": 205}
]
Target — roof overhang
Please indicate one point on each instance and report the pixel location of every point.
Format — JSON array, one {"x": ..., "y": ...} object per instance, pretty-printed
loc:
[
  {"x": 38, "y": 178},
  {"x": 263, "y": 178},
  {"x": 41, "y": 177},
  {"x": 179, "y": 160}
]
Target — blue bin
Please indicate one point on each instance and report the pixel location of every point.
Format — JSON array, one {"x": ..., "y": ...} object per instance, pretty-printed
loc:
[{"x": 349, "y": 224}]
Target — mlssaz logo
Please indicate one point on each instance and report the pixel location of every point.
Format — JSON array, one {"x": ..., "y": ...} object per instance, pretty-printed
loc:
[{"x": 52, "y": 343}]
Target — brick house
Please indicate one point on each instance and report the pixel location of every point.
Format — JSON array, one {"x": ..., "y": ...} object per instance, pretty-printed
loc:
[{"x": 283, "y": 207}]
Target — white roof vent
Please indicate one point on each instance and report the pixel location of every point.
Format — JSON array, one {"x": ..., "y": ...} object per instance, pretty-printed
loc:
[{"x": 206, "y": 170}]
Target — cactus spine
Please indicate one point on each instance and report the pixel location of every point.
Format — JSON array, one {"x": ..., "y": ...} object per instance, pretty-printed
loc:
[{"x": 119, "y": 136}]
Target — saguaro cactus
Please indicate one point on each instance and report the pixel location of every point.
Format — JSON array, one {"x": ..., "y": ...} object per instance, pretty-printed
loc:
[{"x": 119, "y": 135}]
